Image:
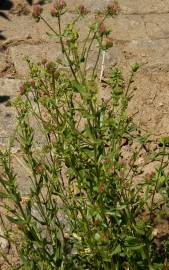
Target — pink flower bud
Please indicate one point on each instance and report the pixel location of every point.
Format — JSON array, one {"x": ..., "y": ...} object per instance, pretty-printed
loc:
[
  {"x": 39, "y": 169},
  {"x": 59, "y": 4},
  {"x": 108, "y": 43},
  {"x": 102, "y": 30},
  {"x": 62, "y": 4},
  {"x": 101, "y": 188},
  {"x": 22, "y": 89},
  {"x": 112, "y": 9},
  {"x": 82, "y": 10},
  {"x": 32, "y": 83},
  {"x": 54, "y": 12},
  {"x": 37, "y": 10}
]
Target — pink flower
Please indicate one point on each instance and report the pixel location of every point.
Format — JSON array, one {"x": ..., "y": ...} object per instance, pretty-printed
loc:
[
  {"x": 113, "y": 9},
  {"x": 54, "y": 12},
  {"x": 62, "y": 4},
  {"x": 37, "y": 10},
  {"x": 22, "y": 89},
  {"x": 82, "y": 10},
  {"x": 109, "y": 43},
  {"x": 59, "y": 4},
  {"x": 103, "y": 30}
]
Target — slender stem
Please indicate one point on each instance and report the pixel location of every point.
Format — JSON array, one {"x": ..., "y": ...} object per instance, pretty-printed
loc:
[
  {"x": 85, "y": 43},
  {"x": 61, "y": 42},
  {"x": 50, "y": 27},
  {"x": 88, "y": 50},
  {"x": 156, "y": 185},
  {"x": 64, "y": 50},
  {"x": 129, "y": 83},
  {"x": 97, "y": 60},
  {"x": 91, "y": 43}
]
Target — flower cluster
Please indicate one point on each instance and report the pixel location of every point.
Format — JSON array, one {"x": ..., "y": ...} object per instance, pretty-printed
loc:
[
  {"x": 22, "y": 89},
  {"x": 113, "y": 9},
  {"x": 103, "y": 31},
  {"x": 58, "y": 7},
  {"x": 82, "y": 10},
  {"x": 37, "y": 10}
]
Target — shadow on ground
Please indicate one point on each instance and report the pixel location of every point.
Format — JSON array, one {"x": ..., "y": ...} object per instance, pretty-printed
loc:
[
  {"x": 4, "y": 99},
  {"x": 4, "y": 6}
]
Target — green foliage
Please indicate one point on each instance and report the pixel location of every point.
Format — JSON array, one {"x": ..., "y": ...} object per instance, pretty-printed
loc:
[{"x": 84, "y": 210}]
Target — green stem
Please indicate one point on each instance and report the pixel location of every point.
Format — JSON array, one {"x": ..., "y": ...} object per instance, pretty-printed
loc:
[
  {"x": 64, "y": 50},
  {"x": 156, "y": 185}
]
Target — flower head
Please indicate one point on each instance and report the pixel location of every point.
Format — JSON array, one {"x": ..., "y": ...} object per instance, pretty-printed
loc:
[
  {"x": 59, "y": 4},
  {"x": 37, "y": 10},
  {"x": 39, "y": 169},
  {"x": 54, "y": 12},
  {"x": 22, "y": 89},
  {"x": 103, "y": 30},
  {"x": 112, "y": 9},
  {"x": 108, "y": 43},
  {"x": 101, "y": 188},
  {"x": 62, "y": 4},
  {"x": 57, "y": 7},
  {"x": 82, "y": 10},
  {"x": 32, "y": 83}
]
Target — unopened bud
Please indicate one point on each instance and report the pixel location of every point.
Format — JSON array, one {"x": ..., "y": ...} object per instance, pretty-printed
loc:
[
  {"x": 112, "y": 9},
  {"x": 50, "y": 66},
  {"x": 54, "y": 12},
  {"x": 62, "y": 4},
  {"x": 82, "y": 10},
  {"x": 39, "y": 169},
  {"x": 22, "y": 89},
  {"x": 59, "y": 4},
  {"x": 37, "y": 10},
  {"x": 103, "y": 30},
  {"x": 101, "y": 188},
  {"x": 108, "y": 43}
]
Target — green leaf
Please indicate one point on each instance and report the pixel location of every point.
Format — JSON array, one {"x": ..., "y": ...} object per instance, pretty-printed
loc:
[
  {"x": 156, "y": 266},
  {"x": 133, "y": 243},
  {"x": 135, "y": 67},
  {"x": 32, "y": 235},
  {"x": 77, "y": 86},
  {"x": 16, "y": 220},
  {"x": 140, "y": 228},
  {"x": 4, "y": 195},
  {"x": 117, "y": 250}
]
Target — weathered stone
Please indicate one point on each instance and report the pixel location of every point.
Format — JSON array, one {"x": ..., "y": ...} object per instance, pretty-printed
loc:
[
  {"x": 127, "y": 28},
  {"x": 8, "y": 89},
  {"x": 3, "y": 63},
  {"x": 157, "y": 26},
  {"x": 152, "y": 55},
  {"x": 144, "y": 104},
  {"x": 18, "y": 27},
  {"x": 94, "y": 6},
  {"x": 144, "y": 6}
]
